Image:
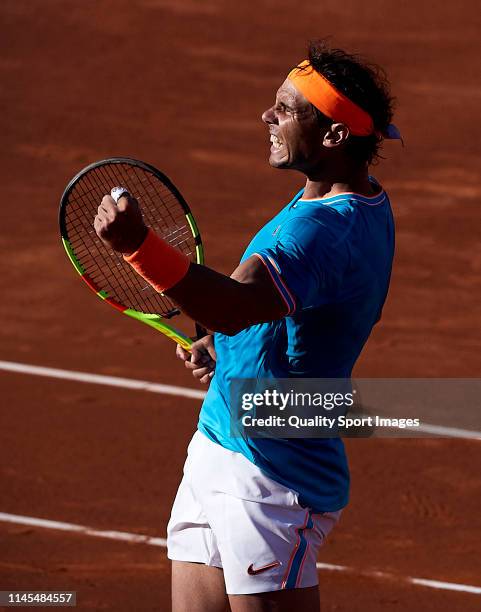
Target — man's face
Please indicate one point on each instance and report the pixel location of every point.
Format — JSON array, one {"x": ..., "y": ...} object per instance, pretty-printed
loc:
[{"x": 296, "y": 139}]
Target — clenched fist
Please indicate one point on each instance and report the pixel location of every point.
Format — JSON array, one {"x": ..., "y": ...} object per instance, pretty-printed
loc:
[{"x": 120, "y": 225}]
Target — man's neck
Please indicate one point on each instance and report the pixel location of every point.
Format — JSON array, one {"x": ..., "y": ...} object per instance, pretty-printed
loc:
[{"x": 339, "y": 182}]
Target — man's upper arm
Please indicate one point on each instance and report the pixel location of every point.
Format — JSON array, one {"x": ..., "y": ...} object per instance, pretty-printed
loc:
[
  {"x": 302, "y": 270},
  {"x": 229, "y": 304},
  {"x": 306, "y": 263},
  {"x": 267, "y": 302}
]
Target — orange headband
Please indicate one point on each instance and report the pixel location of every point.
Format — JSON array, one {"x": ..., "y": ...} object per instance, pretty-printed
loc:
[{"x": 331, "y": 102}]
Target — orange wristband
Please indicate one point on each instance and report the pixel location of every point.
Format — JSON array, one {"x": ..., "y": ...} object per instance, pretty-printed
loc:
[{"x": 160, "y": 264}]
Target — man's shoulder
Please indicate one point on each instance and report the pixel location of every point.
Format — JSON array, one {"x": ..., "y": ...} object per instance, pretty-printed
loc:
[{"x": 314, "y": 223}]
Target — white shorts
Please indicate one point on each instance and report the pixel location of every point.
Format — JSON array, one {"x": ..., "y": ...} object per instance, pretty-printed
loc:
[{"x": 229, "y": 514}]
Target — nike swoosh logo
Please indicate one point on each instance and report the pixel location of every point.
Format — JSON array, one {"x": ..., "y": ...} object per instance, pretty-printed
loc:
[{"x": 254, "y": 571}]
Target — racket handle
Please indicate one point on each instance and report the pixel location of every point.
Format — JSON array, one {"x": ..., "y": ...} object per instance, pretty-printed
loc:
[
  {"x": 117, "y": 192},
  {"x": 200, "y": 331}
]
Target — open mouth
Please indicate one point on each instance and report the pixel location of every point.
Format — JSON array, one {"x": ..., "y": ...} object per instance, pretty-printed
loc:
[{"x": 276, "y": 143}]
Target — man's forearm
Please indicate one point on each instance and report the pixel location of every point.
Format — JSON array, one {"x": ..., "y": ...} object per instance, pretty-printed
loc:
[{"x": 227, "y": 304}]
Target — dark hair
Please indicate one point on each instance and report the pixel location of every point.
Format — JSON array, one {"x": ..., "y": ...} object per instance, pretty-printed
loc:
[{"x": 365, "y": 84}]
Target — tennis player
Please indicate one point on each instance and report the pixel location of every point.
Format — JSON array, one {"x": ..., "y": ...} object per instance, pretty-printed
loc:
[{"x": 251, "y": 513}]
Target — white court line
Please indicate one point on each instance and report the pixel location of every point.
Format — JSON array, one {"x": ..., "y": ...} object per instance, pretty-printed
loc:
[
  {"x": 96, "y": 533},
  {"x": 143, "y": 385},
  {"x": 151, "y": 387},
  {"x": 432, "y": 584},
  {"x": 436, "y": 430},
  {"x": 448, "y": 586},
  {"x": 162, "y": 542},
  {"x": 452, "y": 432},
  {"x": 100, "y": 379}
]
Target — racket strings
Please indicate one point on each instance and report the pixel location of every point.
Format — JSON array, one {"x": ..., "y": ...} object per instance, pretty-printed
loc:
[
  {"x": 122, "y": 283},
  {"x": 162, "y": 211},
  {"x": 105, "y": 267},
  {"x": 151, "y": 190}
]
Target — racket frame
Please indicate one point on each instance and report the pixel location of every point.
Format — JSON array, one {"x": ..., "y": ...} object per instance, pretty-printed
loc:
[{"x": 153, "y": 320}]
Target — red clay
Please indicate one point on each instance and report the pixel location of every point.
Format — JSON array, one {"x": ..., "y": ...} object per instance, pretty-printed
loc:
[{"x": 182, "y": 84}]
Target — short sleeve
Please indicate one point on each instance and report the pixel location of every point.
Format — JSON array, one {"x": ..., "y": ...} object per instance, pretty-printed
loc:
[{"x": 307, "y": 263}]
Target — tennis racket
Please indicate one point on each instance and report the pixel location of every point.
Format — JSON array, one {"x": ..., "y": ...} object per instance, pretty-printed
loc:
[{"x": 105, "y": 271}]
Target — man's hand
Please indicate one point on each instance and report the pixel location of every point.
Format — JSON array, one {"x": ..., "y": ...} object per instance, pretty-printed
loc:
[
  {"x": 120, "y": 226},
  {"x": 202, "y": 360}
]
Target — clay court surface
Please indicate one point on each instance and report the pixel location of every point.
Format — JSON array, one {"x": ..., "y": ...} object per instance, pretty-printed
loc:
[{"x": 182, "y": 84}]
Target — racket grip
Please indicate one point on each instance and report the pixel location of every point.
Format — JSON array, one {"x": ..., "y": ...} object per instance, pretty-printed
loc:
[
  {"x": 117, "y": 192},
  {"x": 200, "y": 331}
]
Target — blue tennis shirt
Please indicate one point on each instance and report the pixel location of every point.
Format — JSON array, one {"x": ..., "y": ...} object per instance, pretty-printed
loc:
[{"x": 331, "y": 260}]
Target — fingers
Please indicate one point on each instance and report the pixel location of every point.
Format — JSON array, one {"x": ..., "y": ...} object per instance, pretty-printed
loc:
[
  {"x": 120, "y": 226},
  {"x": 198, "y": 353},
  {"x": 203, "y": 375},
  {"x": 205, "y": 346},
  {"x": 126, "y": 201},
  {"x": 97, "y": 224},
  {"x": 201, "y": 372},
  {"x": 101, "y": 222},
  {"x": 195, "y": 360},
  {"x": 182, "y": 353},
  {"x": 107, "y": 210},
  {"x": 211, "y": 349},
  {"x": 200, "y": 356},
  {"x": 111, "y": 207},
  {"x": 206, "y": 378},
  {"x": 108, "y": 204},
  {"x": 203, "y": 359},
  {"x": 203, "y": 362},
  {"x": 199, "y": 361}
]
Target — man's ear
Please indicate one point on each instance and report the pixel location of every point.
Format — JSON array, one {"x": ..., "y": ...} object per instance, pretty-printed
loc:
[{"x": 336, "y": 135}]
